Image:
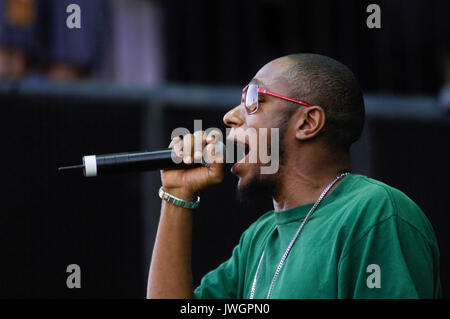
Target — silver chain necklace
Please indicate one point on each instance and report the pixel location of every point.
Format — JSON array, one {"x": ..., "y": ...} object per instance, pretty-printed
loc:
[{"x": 288, "y": 250}]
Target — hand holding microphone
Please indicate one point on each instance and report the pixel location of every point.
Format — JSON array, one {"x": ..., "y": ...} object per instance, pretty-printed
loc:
[
  {"x": 185, "y": 183},
  {"x": 202, "y": 153}
]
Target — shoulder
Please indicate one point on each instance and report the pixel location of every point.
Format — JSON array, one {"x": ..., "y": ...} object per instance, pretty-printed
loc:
[
  {"x": 371, "y": 202},
  {"x": 387, "y": 199}
]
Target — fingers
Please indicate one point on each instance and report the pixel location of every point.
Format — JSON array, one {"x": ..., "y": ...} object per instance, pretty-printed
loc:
[
  {"x": 198, "y": 146},
  {"x": 177, "y": 146},
  {"x": 187, "y": 148},
  {"x": 214, "y": 157},
  {"x": 214, "y": 153},
  {"x": 211, "y": 138},
  {"x": 174, "y": 141}
]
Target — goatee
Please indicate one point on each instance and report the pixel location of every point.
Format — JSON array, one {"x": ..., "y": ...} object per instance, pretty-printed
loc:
[{"x": 256, "y": 190}]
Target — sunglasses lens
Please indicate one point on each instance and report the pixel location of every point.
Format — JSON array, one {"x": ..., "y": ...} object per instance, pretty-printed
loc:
[{"x": 251, "y": 98}]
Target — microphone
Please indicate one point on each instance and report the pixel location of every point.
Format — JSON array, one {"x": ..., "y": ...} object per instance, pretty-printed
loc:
[{"x": 97, "y": 165}]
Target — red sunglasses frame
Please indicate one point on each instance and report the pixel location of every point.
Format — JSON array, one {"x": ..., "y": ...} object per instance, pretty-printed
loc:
[{"x": 267, "y": 92}]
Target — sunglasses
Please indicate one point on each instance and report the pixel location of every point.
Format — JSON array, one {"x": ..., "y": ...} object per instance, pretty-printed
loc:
[{"x": 250, "y": 98}]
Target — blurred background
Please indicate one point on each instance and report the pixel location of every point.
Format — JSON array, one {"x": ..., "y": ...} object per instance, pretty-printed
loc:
[{"x": 138, "y": 69}]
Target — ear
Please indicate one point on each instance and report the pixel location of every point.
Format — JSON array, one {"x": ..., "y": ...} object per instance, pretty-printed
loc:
[{"x": 310, "y": 123}]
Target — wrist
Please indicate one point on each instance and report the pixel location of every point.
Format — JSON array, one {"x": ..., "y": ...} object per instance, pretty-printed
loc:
[
  {"x": 177, "y": 201},
  {"x": 181, "y": 193}
]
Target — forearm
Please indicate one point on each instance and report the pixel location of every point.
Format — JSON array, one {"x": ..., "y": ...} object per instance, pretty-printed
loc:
[{"x": 170, "y": 273}]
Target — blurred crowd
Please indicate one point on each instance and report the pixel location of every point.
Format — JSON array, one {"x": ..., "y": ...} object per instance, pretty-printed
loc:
[
  {"x": 123, "y": 41},
  {"x": 119, "y": 40}
]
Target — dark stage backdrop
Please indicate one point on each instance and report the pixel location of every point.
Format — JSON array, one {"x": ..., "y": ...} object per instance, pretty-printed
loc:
[
  {"x": 107, "y": 225},
  {"x": 227, "y": 41},
  {"x": 49, "y": 221}
]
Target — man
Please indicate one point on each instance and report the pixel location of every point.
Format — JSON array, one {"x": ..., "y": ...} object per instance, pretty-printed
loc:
[{"x": 331, "y": 234}]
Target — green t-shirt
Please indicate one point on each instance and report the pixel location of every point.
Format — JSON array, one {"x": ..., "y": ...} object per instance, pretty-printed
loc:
[{"x": 365, "y": 240}]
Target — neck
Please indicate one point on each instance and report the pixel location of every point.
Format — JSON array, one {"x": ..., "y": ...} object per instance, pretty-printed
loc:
[{"x": 303, "y": 184}]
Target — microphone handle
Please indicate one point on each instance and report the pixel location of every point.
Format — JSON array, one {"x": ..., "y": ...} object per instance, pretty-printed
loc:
[{"x": 96, "y": 165}]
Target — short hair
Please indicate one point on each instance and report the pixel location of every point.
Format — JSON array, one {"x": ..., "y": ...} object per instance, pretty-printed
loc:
[{"x": 325, "y": 82}]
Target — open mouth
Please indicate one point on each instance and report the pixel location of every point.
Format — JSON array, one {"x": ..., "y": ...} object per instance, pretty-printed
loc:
[{"x": 242, "y": 154}]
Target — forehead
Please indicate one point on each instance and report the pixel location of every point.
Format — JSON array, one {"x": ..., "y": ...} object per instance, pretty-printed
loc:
[{"x": 272, "y": 75}]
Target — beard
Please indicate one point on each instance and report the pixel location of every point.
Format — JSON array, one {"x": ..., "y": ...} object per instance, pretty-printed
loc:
[
  {"x": 260, "y": 187},
  {"x": 256, "y": 190}
]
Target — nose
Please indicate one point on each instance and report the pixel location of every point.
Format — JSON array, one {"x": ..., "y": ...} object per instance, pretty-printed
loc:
[{"x": 233, "y": 118}]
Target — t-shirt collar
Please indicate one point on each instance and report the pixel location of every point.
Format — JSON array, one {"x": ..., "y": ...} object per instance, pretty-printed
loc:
[{"x": 300, "y": 212}]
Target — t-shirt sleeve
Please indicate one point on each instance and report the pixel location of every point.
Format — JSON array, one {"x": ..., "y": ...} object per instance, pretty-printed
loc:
[
  {"x": 225, "y": 281},
  {"x": 391, "y": 260}
]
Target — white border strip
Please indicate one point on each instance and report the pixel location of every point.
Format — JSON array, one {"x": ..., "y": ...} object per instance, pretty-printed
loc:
[{"x": 90, "y": 165}]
